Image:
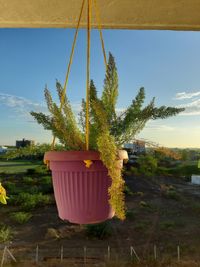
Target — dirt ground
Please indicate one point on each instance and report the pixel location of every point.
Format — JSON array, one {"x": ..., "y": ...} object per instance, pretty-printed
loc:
[{"x": 155, "y": 220}]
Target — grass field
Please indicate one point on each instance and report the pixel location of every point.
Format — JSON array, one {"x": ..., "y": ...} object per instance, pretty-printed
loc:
[{"x": 17, "y": 166}]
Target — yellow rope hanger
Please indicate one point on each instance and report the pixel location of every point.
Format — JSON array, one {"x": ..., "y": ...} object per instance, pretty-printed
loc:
[
  {"x": 89, "y": 12},
  {"x": 88, "y": 75},
  {"x": 97, "y": 13},
  {"x": 69, "y": 65}
]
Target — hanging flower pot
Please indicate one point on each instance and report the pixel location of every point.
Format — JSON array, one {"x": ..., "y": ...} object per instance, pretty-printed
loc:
[
  {"x": 81, "y": 192},
  {"x": 88, "y": 185}
]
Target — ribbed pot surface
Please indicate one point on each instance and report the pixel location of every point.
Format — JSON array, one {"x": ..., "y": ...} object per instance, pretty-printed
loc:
[{"x": 81, "y": 193}]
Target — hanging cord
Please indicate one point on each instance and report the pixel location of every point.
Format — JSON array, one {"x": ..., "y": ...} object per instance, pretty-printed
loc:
[
  {"x": 97, "y": 13},
  {"x": 98, "y": 18},
  {"x": 89, "y": 8},
  {"x": 69, "y": 66},
  {"x": 88, "y": 75}
]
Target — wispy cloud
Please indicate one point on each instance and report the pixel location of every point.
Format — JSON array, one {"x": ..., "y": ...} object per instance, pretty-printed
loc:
[
  {"x": 191, "y": 108},
  {"x": 184, "y": 95},
  {"x": 20, "y": 105},
  {"x": 162, "y": 127}
]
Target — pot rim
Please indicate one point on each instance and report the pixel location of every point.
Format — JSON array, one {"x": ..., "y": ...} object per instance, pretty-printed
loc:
[{"x": 73, "y": 155}]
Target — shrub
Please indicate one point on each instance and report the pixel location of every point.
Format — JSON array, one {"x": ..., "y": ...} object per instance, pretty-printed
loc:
[
  {"x": 42, "y": 170},
  {"x": 5, "y": 234},
  {"x": 173, "y": 195},
  {"x": 100, "y": 231},
  {"x": 20, "y": 217},
  {"x": 46, "y": 185},
  {"x": 11, "y": 188},
  {"x": 185, "y": 170},
  {"x": 147, "y": 165},
  {"x": 33, "y": 189},
  {"x": 30, "y": 201},
  {"x": 170, "y": 192},
  {"x": 162, "y": 171}
]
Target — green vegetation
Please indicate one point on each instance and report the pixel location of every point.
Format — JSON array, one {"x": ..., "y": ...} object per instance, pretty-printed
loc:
[
  {"x": 5, "y": 234},
  {"x": 99, "y": 231},
  {"x": 127, "y": 191},
  {"x": 45, "y": 185},
  {"x": 28, "y": 180},
  {"x": 185, "y": 170},
  {"x": 144, "y": 204},
  {"x": 35, "y": 152},
  {"x": 13, "y": 167},
  {"x": 170, "y": 192},
  {"x": 29, "y": 201},
  {"x": 156, "y": 163},
  {"x": 20, "y": 217},
  {"x": 147, "y": 165}
]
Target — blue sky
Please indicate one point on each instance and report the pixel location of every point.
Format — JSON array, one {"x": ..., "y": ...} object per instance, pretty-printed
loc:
[{"x": 166, "y": 63}]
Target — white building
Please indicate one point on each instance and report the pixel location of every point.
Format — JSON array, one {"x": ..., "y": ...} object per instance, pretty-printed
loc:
[
  {"x": 136, "y": 147},
  {"x": 3, "y": 149},
  {"x": 195, "y": 179}
]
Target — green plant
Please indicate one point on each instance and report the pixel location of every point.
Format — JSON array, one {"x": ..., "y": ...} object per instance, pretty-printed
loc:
[
  {"x": 170, "y": 192},
  {"x": 5, "y": 234},
  {"x": 11, "y": 188},
  {"x": 30, "y": 201},
  {"x": 46, "y": 186},
  {"x": 108, "y": 130},
  {"x": 100, "y": 231},
  {"x": 33, "y": 152},
  {"x": 144, "y": 204},
  {"x": 28, "y": 180},
  {"x": 20, "y": 217},
  {"x": 147, "y": 165},
  {"x": 34, "y": 189},
  {"x": 128, "y": 191}
]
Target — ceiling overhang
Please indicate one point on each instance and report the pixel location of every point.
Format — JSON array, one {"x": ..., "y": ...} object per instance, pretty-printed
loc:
[{"x": 115, "y": 14}]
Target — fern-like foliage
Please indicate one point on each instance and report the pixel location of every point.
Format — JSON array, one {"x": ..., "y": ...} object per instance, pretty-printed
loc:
[
  {"x": 110, "y": 92},
  {"x": 62, "y": 122},
  {"x": 108, "y": 130},
  {"x": 108, "y": 152}
]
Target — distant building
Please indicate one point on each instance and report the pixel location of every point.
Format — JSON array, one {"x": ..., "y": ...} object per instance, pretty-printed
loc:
[
  {"x": 195, "y": 179},
  {"x": 137, "y": 147},
  {"x": 3, "y": 149},
  {"x": 24, "y": 143}
]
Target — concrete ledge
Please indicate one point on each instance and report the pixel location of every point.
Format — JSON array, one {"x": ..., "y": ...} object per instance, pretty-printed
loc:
[{"x": 116, "y": 14}]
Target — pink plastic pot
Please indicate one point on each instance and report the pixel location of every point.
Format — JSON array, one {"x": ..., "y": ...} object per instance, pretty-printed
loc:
[{"x": 81, "y": 193}]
